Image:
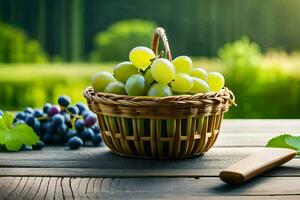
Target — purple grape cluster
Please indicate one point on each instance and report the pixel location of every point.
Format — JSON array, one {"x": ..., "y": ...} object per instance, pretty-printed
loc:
[{"x": 62, "y": 123}]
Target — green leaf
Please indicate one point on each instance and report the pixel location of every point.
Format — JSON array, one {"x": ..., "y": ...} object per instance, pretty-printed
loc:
[
  {"x": 293, "y": 141},
  {"x": 285, "y": 141},
  {"x": 13, "y": 137},
  {"x": 7, "y": 120}
]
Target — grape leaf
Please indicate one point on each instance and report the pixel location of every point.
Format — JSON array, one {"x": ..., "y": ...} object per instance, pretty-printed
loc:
[
  {"x": 285, "y": 141},
  {"x": 14, "y": 136}
]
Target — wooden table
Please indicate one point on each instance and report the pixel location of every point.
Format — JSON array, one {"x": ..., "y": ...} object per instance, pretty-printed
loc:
[{"x": 91, "y": 173}]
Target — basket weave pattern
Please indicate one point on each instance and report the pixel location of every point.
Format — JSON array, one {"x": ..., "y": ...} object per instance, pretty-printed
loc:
[{"x": 170, "y": 127}]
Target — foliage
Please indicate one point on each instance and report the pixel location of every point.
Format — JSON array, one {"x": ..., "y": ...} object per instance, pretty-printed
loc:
[
  {"x": 261, "y": 89},
  {"x": 240, "y": 53},
  {"x": 34, "y": 84},
  {"x": 12, "y": 137},
  {"x": 269, "y": 91},
  {"x": 285, "y": 141},
  {"x": 117, "y": 40},
  {"x": 16, "y": 47}
]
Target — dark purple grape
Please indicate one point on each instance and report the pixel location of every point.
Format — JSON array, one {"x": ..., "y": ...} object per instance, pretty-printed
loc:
[
  {"x": 85, "y": 113},
  {"x": 30, "y": 121},
  {"x": 53, "y": 110},
  {"x": 51, "y": 127},
  {"x": 62, "y": 129},
  {"x": 48, "y": 138},
  {"x": 75, "y": 142},
  {"x": 97, "y": 139},
  {"x": 87, "y": 134},
  {"x": 90, "y": 119},
  {"x": 38, "y": 146},
  {"x": 37, "y": 125},
  {"x": 79, "y": 125},
  {"x": 39, "y": 133},
  {"x": 19, "y": 121},
  {"x": 58, "y": 139},
  {"x": 70, "y": 134},
  {"x": 95, "y": 129},
  {"x": 82, "y": 107},
  {"x": 38, "y": 113},
  {"x": 29, "y": 110},
  {"x": 58, "y": 119},
  {"x": 43, "y": 127},
  {"x": 64, "y": 101},
  {"x": 26, "y": 147},
  {"x": 20, "y": 115},
  {"x": 68, "y": 120},
  {"x": 73, "y": 110},
  {"x": 46, "y": 107}
]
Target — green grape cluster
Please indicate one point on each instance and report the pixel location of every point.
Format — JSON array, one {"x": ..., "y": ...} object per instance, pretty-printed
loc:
[{"x": 146, "y": 74}]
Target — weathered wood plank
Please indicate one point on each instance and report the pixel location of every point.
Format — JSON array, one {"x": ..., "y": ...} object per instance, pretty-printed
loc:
[
  {"x": 290, "y": 169},
  {"x": 19, "y": 189},
  {"x": 101, "y": 163},
  {"x": 4, "y": 185},
  {"x": 43, "y": 188},
  {"x": 160, "y": 188},
  {"x": 64, "y": 187},
  {"x": 269, "y": 126},
  {"x": 33, "y": 186},
  {"x": 186, "y": 196},
  {"x": 11, "y": 187}
]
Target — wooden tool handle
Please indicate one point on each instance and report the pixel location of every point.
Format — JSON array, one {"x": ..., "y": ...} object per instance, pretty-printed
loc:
[{"x": 256, "y": 164}]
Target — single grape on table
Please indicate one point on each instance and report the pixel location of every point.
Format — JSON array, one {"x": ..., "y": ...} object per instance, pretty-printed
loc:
[{"x": 147, "y": 74}]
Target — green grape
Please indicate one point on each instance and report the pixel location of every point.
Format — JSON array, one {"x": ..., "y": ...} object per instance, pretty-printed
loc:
[
  {"x": 160, "y": 90},
  {"x": 115, "y": 88},
  {"x": 136, "y": 85},
  {"x": 199, "y": 73},
  {"x": 178, "y": 93},
  {"x": 148, "y": 77},
  {"x": 141, "y": 57},
  {"x": 199, "y": 86},
  {"x": 183, "y": 64},
  {"x": 101, "y": 80},
  {"x": 182, "y": 83},
  {"x": 215, "y": 81},
  {"x": 124, "y": 70},
  {"x": 163, "y": 71}
]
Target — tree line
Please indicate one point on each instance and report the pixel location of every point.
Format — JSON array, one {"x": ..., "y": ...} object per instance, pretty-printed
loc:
[{"x": 66, "y": 28}]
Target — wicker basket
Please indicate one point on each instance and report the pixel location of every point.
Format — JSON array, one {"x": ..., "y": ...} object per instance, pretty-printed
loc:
[{"x": 170, "y": 127}]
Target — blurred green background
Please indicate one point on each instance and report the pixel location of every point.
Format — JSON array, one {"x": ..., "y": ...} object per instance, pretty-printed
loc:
[{"x": 52, "y": 47}]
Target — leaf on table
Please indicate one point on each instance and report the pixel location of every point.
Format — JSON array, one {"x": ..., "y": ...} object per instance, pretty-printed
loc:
[
  {"x": 14, "y": 136},
  {"x": 285, "y": 141}
]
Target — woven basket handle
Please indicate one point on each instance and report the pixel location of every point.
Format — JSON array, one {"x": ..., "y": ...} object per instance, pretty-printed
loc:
[{"x": 160, "y": 33}]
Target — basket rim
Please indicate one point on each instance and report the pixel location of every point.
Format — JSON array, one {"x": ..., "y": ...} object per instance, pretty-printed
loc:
[{"x": 224, "y": 94}]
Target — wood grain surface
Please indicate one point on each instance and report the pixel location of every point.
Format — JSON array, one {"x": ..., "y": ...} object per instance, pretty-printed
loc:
[{"x": 96, "y": 173}]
